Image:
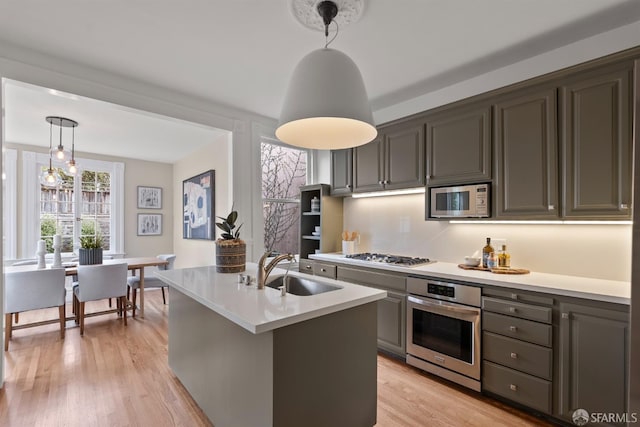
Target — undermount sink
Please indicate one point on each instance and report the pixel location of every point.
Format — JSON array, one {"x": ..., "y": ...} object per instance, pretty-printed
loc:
[{"x": 302, "y": 286}]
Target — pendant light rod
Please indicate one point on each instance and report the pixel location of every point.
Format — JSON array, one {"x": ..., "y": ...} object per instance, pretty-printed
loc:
[{"x": 327, "y": 10}]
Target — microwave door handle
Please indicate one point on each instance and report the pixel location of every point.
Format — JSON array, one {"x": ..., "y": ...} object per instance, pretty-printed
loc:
[{"x": 444, "y": 307}]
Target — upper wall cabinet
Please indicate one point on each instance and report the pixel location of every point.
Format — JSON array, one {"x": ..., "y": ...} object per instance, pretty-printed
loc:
[
  {"x": 395, "y": 159},
  {"x": 341, "y": 172},
  {"x": 459, "y": 145},
  {"x": 596, "y": 143},
  {"x": 526, "y": 161}
]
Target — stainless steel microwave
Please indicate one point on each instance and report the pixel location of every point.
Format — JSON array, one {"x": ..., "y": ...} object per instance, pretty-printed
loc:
[{"x": 464, "y": 201}]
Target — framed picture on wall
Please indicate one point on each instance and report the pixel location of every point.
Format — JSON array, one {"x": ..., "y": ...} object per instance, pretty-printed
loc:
[
  {"x": 149, "y": 224},
  {"x": 198, "y": 201},
  {"x": 149, "y": 197}
]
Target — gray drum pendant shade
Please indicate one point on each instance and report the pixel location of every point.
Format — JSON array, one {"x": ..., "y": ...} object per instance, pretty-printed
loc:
[{"x": 326, "y": 105}]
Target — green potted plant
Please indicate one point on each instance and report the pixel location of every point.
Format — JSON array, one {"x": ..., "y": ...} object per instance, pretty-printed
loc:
[
  {"x": 90, "y": 250},
  {"x": 230, "y": 249}
]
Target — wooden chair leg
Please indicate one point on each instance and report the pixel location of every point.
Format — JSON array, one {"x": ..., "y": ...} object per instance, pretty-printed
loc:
[
  {"x": 123, "y": 303},
  {"x": 7, "y": 330},
  {"x": 164, "y": 299},
  {"x": 76, "y": 310},
  {"x": 81, "y": 310},
  {"x": 63, "y": 314},
  {"x": 133, "y": 301},
  {"x": 16, "y": 317},
  {"x": 109, "y": 302}
]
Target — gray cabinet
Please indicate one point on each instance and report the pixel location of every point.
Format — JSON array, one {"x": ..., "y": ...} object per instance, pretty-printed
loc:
[
  {"x": 517, "y": 352},
  {"x": 392, "y": 320},
  {"x": 596, "y": 143},
  {"x": 459, "y": 145},
  {"x": 526, "y": 162},
  {"x": 395, "y": 159},
  {"x": 341, "y": 172},
  {"x": 368, "y": 165},
  {"x": 592, "y": 355}
]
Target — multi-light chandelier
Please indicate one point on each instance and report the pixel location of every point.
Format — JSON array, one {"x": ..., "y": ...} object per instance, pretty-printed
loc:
[{"x": 50, "y": 177}]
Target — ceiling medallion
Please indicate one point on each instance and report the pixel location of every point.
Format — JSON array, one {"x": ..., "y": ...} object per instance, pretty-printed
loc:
[{"x": 306, "y": 13}]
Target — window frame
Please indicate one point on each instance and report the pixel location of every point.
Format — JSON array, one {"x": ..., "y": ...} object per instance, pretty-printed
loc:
[
  {"x": 31, "y": 164},
  {"x": 310, "y": 159}
]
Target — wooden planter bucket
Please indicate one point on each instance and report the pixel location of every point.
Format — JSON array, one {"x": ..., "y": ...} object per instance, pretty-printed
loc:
[{"x": 231, "y": 256}]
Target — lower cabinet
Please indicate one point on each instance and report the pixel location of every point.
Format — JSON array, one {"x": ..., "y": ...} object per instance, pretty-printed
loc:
[
  {"x": 392, "y": 323},
  {"x": 392, "y": 320},
  {"x": 593, "y": 365},
  {"x": 517, "y": 353}
]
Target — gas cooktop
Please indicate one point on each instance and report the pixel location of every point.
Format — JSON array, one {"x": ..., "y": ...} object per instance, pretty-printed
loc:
[{"x": 404, "y": 261}]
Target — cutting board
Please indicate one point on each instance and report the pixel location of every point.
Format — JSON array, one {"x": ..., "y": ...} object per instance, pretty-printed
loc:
[{"x": 496, "y": 270}]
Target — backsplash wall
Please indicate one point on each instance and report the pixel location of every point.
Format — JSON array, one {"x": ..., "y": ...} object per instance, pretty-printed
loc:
[{"x": 396, "y": 225}]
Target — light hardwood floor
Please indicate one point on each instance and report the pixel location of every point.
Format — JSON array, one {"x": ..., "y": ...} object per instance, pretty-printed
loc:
[{"x": 119, "y": 376}]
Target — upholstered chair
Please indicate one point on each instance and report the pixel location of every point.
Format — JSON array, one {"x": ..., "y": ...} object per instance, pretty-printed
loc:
[
  {"x": 150, "y": 281},
  {"x": 33, "y": 290}
]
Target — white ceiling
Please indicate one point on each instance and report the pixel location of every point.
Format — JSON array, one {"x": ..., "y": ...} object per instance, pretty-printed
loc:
[{"x": 241, "y": 53}]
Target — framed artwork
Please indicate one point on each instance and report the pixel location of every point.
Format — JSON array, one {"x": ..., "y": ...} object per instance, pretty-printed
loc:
[
  {"x": 149, "y": 197},
  {"x": 198, "y": 195},
  {"x": 149, "y": 224}
]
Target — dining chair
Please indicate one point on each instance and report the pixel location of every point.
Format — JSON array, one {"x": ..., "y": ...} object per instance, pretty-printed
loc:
[
  {"x": 100, "y": 281},
  {"x": 150, "y": 281},
  {"x": 33, "y": 290}
]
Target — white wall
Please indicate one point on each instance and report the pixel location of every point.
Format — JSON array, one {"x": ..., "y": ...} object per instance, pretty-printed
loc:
[
  {"x": 216, "y": 156},
  {"x": 396, "y": 224}
]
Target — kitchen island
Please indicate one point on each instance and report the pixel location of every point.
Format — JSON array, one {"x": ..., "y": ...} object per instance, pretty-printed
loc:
[{"x": 252, "y": 357}]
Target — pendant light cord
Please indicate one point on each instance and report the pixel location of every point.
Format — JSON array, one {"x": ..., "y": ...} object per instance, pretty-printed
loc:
[{"x": 327, "y": 42}]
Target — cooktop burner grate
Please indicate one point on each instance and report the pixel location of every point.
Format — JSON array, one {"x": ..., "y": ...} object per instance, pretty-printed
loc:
[{"x": 390, "y": 259}]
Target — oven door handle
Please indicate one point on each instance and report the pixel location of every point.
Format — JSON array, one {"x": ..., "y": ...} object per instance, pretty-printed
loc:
[{"x": 443, "y": 306}]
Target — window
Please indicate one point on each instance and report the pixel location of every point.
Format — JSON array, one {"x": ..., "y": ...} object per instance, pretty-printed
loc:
[
  {"x": 58, "y": 207},
  {"x": 90, "y": 203},
  {"x": 284, "y": 171}
]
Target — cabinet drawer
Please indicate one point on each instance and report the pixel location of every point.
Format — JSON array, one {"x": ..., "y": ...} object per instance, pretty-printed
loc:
[
  {"x": 522, "y": 388},
  {"x": 529, "y": 358},
  {"x": 516, "y": 309},
  {"x": 517, "y": 295},
  {"x": 373, "y": 279},
  {"x": 324, "y": 270},
  {"x": 305, "y": 266},
  {"x": 526, "y": 330}
]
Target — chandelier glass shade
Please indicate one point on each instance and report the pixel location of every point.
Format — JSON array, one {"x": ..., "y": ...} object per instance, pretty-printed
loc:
[{"x": 50, "y": 176}]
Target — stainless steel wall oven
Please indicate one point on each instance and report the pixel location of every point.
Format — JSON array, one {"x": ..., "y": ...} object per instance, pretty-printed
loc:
[{"x": 443, "y": 329}]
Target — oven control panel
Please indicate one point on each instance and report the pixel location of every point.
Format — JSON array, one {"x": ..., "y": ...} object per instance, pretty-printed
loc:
[
  {"x": 442, "y": 290},
  {"x": 446, "y": 291}
]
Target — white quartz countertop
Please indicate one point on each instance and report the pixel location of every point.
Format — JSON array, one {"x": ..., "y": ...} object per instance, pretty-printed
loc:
[
  {"x": 571, "y": 286},
  {"x": 265, "y": 309}
]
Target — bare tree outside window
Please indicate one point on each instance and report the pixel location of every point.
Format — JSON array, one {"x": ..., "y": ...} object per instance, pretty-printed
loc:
[{"x": 284, "y": 171}]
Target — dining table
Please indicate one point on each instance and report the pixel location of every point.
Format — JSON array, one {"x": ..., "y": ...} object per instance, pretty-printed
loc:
[{"x": 134, "y": 264}]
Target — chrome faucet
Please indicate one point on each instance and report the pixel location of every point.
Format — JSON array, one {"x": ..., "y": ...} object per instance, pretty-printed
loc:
[{"x": 263, "y": 272}]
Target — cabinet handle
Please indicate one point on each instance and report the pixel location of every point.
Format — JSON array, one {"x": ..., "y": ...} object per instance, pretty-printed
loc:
[
  {"x": 348, "y": 186},
  {"x": 514, "y": 296},
  {"x": 513, "y": 328},
  {"x": 386, "y": 181},
  {"x": 513, "y": 387},
  {"x": 514, "y": 355},
  {"x": 565, "y": 315},
  {"x": 323, "y": 270},
  {"x": 381, "y": 182},
  {"x": 512, "y": 310},
  {"x": 551, "y": 207},
  {"x": 439, "y": 359},
  {"x": 308, "y": 267},
  {"x": 624, "y": 206}
]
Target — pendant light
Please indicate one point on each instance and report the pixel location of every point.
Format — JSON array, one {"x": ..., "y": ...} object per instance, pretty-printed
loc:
[
  {"x": 50, "y": 177},
  {"x": 326, "y": 105}
]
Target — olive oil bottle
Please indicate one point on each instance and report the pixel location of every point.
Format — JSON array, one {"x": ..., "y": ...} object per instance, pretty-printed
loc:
[
  {"x": 504, "y": 259},
  {"x": 486, "y": 253}
]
